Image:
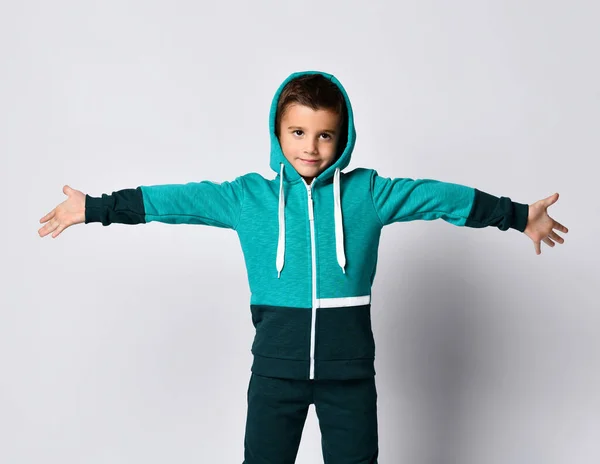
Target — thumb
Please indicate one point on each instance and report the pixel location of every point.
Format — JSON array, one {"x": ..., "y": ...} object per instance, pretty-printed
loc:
[
  {"x": 67, "y": 190},
  {"x": 550, "y": 200}
]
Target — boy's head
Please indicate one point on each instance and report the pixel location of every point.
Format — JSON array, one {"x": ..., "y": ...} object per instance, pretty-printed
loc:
[{"x": 311, "y": 124}]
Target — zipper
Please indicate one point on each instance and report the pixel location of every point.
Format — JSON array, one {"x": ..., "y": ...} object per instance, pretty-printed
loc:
[{"x": 313, "y": 321}]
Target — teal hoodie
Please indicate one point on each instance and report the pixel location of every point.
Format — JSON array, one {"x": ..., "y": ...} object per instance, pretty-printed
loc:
[{"x": 310, "y": 250}]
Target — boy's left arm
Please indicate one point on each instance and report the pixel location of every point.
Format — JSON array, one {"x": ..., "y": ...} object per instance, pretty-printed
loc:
[{"x": 404, "y": 199}]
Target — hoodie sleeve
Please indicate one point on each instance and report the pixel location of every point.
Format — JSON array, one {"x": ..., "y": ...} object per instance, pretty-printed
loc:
[
  {"x": 206, "y": 203},
  {"x": 404, "y": 199}
]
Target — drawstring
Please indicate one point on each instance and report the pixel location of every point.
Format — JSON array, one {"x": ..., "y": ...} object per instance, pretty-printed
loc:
[
  {"x": 339, "y": 224},
  {"x": 281, "y": 241}
]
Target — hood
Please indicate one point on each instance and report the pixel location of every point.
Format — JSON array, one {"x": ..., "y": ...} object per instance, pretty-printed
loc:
[
  {"x": 287, "y": 172},
  {"x": 277, "y": 157}
]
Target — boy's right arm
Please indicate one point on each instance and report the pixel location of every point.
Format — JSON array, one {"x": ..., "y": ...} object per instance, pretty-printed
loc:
[{"x": 205, "y": 202}]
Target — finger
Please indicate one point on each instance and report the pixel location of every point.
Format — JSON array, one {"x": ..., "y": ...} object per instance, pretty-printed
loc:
[
  {"x": 44, "y": 230},
  {"x": 50, "y": 227},
  {"x": 48, "y": 216},
  {"x": 559, "y": 226},
  {"x": 67, "y": 190},
  {"x": 550, "y": 200},
  {"x": 557, "y": 238},
  {"x": 537, "y": 248},
  {"x": 58, "y": 230},
  {"x": 548, "y": 242}
]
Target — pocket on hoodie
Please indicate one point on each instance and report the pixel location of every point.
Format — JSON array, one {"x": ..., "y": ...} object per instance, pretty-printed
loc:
[
  {"x": 281, "y": 332},
  {"x": 344, "y": 333}
]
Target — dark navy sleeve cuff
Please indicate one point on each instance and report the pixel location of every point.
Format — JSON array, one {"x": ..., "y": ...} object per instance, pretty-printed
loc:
[
  {"x": 503, "y": 213},
  {"x": 123, "y": 206},
  {"x": 93, "y": 209},
  {"x": 520, "y": 217}
]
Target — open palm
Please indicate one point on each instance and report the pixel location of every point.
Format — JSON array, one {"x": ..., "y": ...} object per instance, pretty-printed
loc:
[
  {"x": 69, "y": 212},
  {"x": 540, "y": 226}
]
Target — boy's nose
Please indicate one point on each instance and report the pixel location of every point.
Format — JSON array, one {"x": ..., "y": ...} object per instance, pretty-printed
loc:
[{"x": 310, "y": 148}]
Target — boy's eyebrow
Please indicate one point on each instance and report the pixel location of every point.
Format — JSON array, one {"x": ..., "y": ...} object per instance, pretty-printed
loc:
[{"x": 300, "y": 127}]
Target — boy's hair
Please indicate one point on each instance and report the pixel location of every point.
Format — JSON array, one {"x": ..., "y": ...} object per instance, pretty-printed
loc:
[{"x": 316, "y": 92}]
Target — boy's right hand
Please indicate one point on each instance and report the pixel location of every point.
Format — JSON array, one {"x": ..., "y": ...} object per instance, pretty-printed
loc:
[{"x": 69, "y": 212}]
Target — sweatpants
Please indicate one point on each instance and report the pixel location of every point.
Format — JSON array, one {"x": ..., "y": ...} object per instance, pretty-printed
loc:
[{"x": 277, "y": 409}]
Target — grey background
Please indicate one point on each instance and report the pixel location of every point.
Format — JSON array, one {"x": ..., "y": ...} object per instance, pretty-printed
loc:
[{"x": 128, "y": 344}]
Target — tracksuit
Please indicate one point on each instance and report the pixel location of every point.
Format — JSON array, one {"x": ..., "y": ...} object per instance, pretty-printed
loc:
[{"x": 311, "y": 256}]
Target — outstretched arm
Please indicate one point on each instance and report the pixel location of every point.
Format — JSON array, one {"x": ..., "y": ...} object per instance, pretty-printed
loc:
[
  {"x": 404, "y": 199},
  {"x": 206, "y": 203}
]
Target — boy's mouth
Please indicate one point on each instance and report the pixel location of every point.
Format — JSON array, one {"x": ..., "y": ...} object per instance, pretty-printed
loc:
[{"x": 309, "y": 161}]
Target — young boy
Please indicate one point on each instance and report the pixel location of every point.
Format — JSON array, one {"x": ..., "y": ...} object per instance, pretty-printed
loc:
[{"x": 310, "y": 238}]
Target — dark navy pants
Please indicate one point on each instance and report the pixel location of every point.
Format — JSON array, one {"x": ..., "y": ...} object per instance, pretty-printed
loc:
[{"x": 277, "y": 409}]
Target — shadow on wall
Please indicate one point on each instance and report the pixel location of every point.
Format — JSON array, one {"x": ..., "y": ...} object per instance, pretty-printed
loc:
[{"x": 423, "y": 321}]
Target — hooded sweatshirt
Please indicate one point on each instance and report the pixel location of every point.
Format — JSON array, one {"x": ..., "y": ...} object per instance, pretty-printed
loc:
[{"x": 310, "y": 249}]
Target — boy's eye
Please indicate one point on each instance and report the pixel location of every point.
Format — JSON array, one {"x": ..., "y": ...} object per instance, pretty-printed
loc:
[{"x": 299, "y": 132}]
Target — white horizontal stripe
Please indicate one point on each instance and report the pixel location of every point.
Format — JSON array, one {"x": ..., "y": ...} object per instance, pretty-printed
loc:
[{"x": 343, "y": 302}]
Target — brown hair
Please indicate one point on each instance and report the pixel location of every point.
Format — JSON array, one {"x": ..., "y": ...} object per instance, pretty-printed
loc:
[{"x": 316, "y": 92}]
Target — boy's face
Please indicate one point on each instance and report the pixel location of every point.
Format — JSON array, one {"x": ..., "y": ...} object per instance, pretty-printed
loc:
[{"x": 309, "y": 139}]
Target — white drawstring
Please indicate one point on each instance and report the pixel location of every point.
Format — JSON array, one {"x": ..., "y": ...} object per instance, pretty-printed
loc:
[
  {"x": 281, "y": 241},
  {"x": 339, "y": 224}
]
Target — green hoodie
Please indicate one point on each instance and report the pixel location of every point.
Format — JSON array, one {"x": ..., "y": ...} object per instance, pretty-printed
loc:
[{"x": 310, "y": 250}]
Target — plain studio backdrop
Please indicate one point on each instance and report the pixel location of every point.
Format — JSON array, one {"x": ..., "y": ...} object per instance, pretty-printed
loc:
[{"x": 130, "y": 344}]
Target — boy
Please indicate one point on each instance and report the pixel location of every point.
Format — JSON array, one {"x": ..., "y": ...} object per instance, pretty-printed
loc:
[{"x": 310, "y": 238}]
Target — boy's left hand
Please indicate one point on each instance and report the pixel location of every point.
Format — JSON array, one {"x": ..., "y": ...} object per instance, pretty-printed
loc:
[{"x": 540, "y": 226}]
